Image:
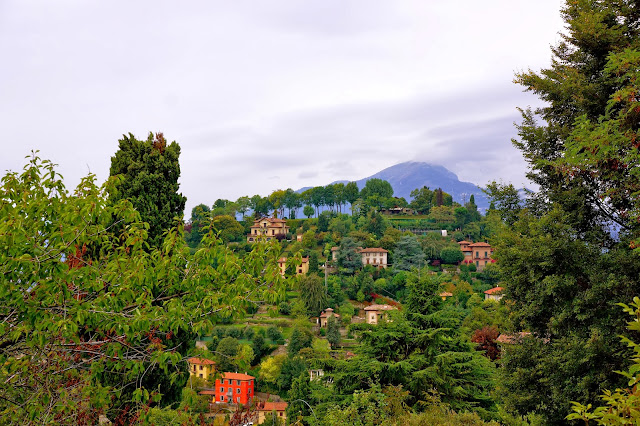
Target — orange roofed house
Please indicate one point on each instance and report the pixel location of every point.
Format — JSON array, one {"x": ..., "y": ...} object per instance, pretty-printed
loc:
[
  {"x": 200, "y": 367},
  {"x": 266, "y": 408},
  {"x": 476, "y": 253},
  {"x": 234, "y": 388},
  {"x": 377, "y": 313},
  {"x": 268, "y": 228}
]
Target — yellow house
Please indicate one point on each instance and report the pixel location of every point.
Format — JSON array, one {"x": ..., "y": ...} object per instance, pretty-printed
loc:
[
  {"x": 324, "y": 317},
  {"x": 301, "y": 269},
  {"x": 200, "y": 367},
  {"x": 377, "y": 313},
  {"x": 268, "y": 228},
  {"x": 266, "y": 408}
]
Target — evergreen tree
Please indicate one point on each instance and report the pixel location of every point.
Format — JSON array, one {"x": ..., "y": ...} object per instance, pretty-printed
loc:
[
  {"x": 333, "y": 331},
  {"x": 349, "y": 259},
  {"x": 150, "y": 172},
  {"x": 564, "y": 267},
  {"x": 408, "y": 254}
]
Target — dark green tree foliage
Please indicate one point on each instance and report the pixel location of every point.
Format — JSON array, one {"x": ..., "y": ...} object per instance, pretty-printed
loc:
[
  {"x": 333, "y": 332},
  {"x": 421, "y": 349},
  {"x": 299, "y": 339},
  {"x": 313, "y": 262},
  {"x": 299, "y": 394},
  {"x": 568, "y": 271},
  {"x": 348, "y": 258},
  {"x": 422, "y": 199},
  {"x": 313, "y": 293},
  {"x": 408, "y": 254},
  {"x": 376, "y": 224},
  {"x": 308, "y": 211},
  {"x": 225, "y": 351},
  {"x": 505, "y": 199},
  {"x": 451, "y": 255},
  {"x": 150, "y": 172},
  {"x": 376, "y": 192},
  {"x": 195, "y": 228}
]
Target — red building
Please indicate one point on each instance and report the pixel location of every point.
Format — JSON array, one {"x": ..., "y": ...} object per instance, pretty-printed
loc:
[{"x": 234, "y": 388}]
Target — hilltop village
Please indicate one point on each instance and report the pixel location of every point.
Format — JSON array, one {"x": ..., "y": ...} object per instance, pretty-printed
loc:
[{"x": 354, "y": 271}]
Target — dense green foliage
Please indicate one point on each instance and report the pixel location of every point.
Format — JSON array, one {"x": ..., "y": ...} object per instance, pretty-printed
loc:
[
  {"x": 78, "y": 299},
  {"x": 150, "y": 172}
]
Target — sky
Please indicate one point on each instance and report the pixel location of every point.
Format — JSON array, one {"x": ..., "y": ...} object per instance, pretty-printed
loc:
[{"x": 266, "y": 95}]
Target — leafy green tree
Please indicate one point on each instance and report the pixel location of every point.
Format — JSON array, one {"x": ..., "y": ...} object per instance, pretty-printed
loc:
[
  {"x": 299, "y": 339},
  {"x": 197, "y": 223},
  {"x": 408, "y": 254},
  {"x": 377, "y": 187},
  {"x": 313, "y": 262},
  {"x": 351, "y": 193},
  {"x": 333, "y": 332},
  {"x": 227, "y": 228},
  {"x": 299, "y": 396},
  {"x": 505, "y": 199},
  {"x": 451, "y": 255},
  {"x": 308, "y": 211},
  {"x": 243, "y": 204},
  {"x": 226, "y": 351},
  {"x": 421, "y": 200},
  {"x": 313, "y": 293},
  {"x": 150, "y": 172},
  {"x": 96, "y": 332},
  {"x": 348, "y": 258}
]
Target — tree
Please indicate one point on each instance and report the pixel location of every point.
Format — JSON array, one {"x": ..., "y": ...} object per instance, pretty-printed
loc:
[
  {"x": 226, "y": 351},
  {"x": 308, "y": 211},
  {"x": 227, "y": 228},
  {"x": 333, "y": 331},
  {"x": 197, "y": 223},
  {"x": 299, "y": 339},
  {"x": 421, "y": 200},
  {"x": 351, "y": 193},
  {"x": 243, "y": 204},
  {"x": 408, "y": 254},
  {"x": 150, "y": 172},
  {"x": 299, "y": 396},
  {"x": 505, "y": 199},
  {"x": 348, "y": 258},
  {"x": 313, "y": 293},
  {"x": 451, "y": 255},
  {"x": 84, "y": 328}
]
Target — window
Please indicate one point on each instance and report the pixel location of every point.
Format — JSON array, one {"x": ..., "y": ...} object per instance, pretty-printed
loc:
[
  {"x": 477, "y": 254},
  {"x": 477, "y": 263},
  {"x": 221, "y": 397},
  {"x": 194, "y": 368},
  {"x": 238, "y": 382},
  {"x": 222, "y": 390},
  {"x": 200, "y": 368},
  {"x": 200, "y": 375},
  {"x": 485, "y": 254},
  {"x": 238, "y": 390}
]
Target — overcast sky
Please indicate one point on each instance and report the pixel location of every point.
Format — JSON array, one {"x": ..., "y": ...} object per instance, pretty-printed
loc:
[{"x": 264, "y": 95}]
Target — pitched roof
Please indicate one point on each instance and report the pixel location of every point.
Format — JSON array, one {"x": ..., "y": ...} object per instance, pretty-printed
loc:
[
  {"x": 379, "y": 308},
  {"x": 237, "y": 376},
  {"x": 464, "y": 242},
  {"x": 374, "y": 250},
  {"x": 328, "y": 312},
  {"x": 495, "y": 290},
  {"x": 512, "y": 338},
  {"x": 200, "y": 361},
  {"x": 480, "y": 244},
  {"x": 445, "y": 294},
  {"x": 273, "y": 406},
  {"x": 207, "y": 392}
]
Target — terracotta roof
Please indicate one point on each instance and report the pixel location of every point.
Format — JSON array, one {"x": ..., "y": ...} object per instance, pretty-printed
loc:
[
  {"x": 445, "y": 294},
  {"x": 512, "y": 338},
  {"x": 273, "y": 406},
  {"x": 495, "y": 290},
  {"x": 207, "y": 392},
  {"x": 480, "y": 244},
  {"x": 200, "y": 361},
  {"x": 335, "y": 248},
  {"x": 282, "y": 260},
  {"x": 379, "y": 308},
  {"x": 237, "y": 376},
  {"x": 464, "y": 242},
  {"x": 328, "y": 311},
  {"x": 374, "y": 250}
]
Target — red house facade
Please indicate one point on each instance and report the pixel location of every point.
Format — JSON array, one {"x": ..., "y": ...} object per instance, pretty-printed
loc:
[{"x": 235, "y": 388}]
